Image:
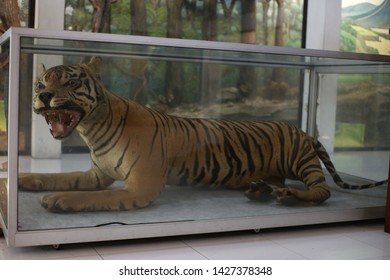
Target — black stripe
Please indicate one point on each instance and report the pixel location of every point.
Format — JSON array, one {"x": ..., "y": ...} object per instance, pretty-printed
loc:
[
  {"x": 303, "y": 161},
  {"x": 132, "y": 166},
  {"x": 310, "y": 169},
  {"x": 109, "y": 139},
  {"x": 99, "y": 125},
  {"x": 247, "y": 148},
  {"x": 200, "y": 176},
  {"x": 163, "y": 150},
  {"x": 120, "y": 160},
  {"x": 156, "y": 131},
  {"x": 216, "y": 169}
]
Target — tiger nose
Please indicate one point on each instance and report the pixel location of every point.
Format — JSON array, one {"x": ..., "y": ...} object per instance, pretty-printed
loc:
[{"x": 45, "y": 97}]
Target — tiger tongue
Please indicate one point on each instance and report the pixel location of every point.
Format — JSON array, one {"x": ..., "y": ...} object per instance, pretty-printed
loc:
[{"x": 59, "y": 130}]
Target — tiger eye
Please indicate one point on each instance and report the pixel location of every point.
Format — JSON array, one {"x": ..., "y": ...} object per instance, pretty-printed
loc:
[
  {"x": 72, "y": 83},
  {"x": 39, "y": 86}
]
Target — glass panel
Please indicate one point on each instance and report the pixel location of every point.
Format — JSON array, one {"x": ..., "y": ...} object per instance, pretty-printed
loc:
[
  {"x": 355, "y": 130},
  {"x": 4, "y": 91},
  {"x": 213, "y": 52},
  {"x": 190, "y": 81},
  {"x": 362, "y": 134},
  {"x": 179, "y": 81}
]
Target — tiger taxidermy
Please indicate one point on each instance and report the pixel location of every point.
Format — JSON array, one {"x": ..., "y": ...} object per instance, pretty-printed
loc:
[{"x": 148, "y": 149}]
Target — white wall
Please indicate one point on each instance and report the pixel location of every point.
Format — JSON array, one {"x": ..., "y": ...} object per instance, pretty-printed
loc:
[
  {"x": 323, "y": 32},
  {"x": 49, "y": 14},
  {"x": 323, "y": 24}
]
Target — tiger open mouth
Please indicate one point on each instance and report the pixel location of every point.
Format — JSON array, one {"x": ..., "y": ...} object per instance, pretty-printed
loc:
[{"x": 62, "y": 122}]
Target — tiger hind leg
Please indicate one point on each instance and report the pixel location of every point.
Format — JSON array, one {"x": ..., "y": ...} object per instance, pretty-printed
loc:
[{"x": 317, "y": 192}]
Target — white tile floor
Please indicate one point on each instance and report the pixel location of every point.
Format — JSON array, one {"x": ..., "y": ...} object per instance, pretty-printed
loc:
[{"x": 357, "y": 240}]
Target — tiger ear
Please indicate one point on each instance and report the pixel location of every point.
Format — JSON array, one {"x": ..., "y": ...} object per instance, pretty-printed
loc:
[
  {"x": 95, "y": 64},
  {"x": 41, "y": 69}
]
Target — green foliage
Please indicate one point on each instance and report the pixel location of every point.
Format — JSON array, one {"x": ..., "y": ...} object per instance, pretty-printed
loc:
[
  {"x": 156, "y": 80},
  {"x": 294, "y": 39},
  {"x": 349, "y": 135},
  {"x": 384, "y": 35},
  {"x": 120, "y": 23},
  {"x": 372, "y": 50},
  {"x": 191, "y": 86},
  {"x": 156, "y": 20},
  {"x": 77, "y": 18},
  {"x": 191, "y": 28},
  {"x": 346, "y": 25},
  {"x": 346, "y": 80},
  {"x": 347, "y": 42},
  {"x": 347, "y": 36},
  {"x": 2, "y": 116},
  {"x": 228, "y": 29}
]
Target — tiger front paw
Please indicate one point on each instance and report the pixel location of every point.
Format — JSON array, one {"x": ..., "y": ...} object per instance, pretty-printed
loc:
[
  {"x": 59, "y": 202},
  {"x": 30, "y": 182}
]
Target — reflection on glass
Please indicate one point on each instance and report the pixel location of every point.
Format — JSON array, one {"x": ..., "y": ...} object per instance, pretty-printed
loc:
[
  {"x": 363, "y": 112},
  {"x": 361, "y": 130}
]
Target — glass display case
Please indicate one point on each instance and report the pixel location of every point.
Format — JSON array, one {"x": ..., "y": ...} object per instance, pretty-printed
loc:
[{"x": 342, "y": 99}]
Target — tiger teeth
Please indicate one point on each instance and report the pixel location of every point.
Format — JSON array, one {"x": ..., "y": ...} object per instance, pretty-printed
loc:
[{"x": 64, "y": 118}]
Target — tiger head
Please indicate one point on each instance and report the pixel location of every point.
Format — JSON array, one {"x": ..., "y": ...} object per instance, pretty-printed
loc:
[{"x": 65, "y": 95}]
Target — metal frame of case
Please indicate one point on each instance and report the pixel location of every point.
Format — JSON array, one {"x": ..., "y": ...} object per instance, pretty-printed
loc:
[{"x": 313, "y": 61}]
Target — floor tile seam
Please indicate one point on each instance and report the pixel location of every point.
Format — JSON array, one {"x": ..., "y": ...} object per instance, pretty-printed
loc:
[
  {"x": 303, "y": 236},
  {"x": 334, "y": 234},
  {"x": 233, "y": 239},
  {"x": 367, "y": 228},
  {"x": 198, "y": 252},
  {"x": 97, "y": 252},
  {"x": 152, "y": 248},
  {"x": 384, "y": 257},
  {"x": 286, "y": 248},
  {"x": 384, "y": 253},
  {"x": 73, "y": 255},
  {"x": 367, "y": 244},
  {"x": 182, "y": 246},
  {"x": 264, "y": 239}
]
